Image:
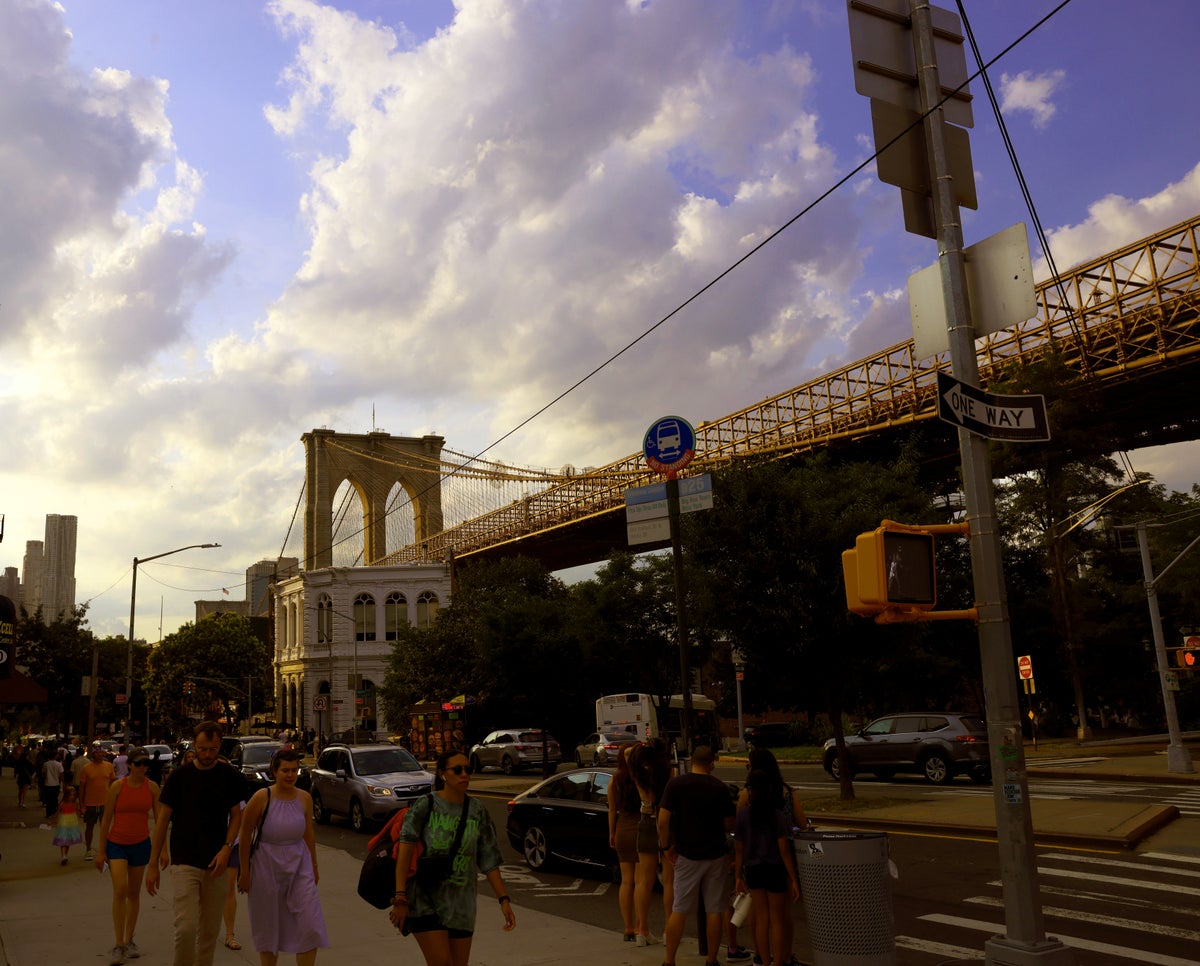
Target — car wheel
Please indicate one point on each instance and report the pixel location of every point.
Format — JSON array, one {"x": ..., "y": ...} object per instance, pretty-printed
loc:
[
  {"x": 358, "y": 821},
  {"x": 506, "y": 765},
  {"x": 936, "y": 768},
  {"x": 834, "y": 768},
  {"x": 476, "y": 765},
  {"x": 320, "y": 815},
  {"x": 535, "y": 848}
]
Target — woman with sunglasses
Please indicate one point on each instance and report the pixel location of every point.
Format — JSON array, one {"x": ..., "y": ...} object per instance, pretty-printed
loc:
[
  {"x": 442, "y": 914},
  {"x": 125, "y": 845}
]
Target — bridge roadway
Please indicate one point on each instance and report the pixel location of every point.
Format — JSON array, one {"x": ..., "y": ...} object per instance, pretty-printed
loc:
[{"x": 1127, "y": 321}]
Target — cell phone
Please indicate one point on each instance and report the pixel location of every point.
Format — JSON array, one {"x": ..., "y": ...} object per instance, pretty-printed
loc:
[{"x": 104, "y": 868}]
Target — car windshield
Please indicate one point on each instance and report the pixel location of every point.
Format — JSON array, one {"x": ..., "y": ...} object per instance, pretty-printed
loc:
[
  {"x": 382, "y": 761},
  {"x": 258, "y": 754},
  {"x": 162, "y": 751}
]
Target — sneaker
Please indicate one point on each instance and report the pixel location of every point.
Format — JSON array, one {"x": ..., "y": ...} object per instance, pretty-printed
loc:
[
  {"x": 63, "y": 860},
  {"x": 131, "y": 950},
  {"x": 117, "y": 956},
  {"x": 91, "y": 854},
  {"x": 629, "y": 937},
  {"x": 647, "y": 939},
  {"x": 737, "y": 954}
]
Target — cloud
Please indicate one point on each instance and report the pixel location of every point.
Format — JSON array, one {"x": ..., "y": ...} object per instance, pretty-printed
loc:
[{"x": 1031, "y": 92}]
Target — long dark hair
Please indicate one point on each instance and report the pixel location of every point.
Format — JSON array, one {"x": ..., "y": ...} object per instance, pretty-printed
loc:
[
  {"x": 652, "y": 767},
  {"x": 624, "y": 788},
  {"x": 761, "y": 787},
  {"x": 762, "y": 760}
]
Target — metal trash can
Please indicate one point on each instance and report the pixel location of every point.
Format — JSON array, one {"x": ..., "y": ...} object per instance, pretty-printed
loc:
[{"x": 847, "y": 894}]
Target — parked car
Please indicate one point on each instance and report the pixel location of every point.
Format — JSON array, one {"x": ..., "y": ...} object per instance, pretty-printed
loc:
[
  {"x": 366, "y": 783},
  {"x": 512, "y": 749},
  {"x": 770, "y": 734},
  {"x": 231, "y": 742},
  {"x": 601, "y": 748},
  {"x": 936, "y": 745},
  {"x": 563, "y": 817}
]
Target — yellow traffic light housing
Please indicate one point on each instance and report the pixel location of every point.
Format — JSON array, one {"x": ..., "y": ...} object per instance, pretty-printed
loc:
[{"x": 891, "y": 573}]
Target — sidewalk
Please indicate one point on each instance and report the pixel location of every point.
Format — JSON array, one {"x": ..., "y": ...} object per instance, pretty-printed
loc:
[{"x": 61, "y": 916}]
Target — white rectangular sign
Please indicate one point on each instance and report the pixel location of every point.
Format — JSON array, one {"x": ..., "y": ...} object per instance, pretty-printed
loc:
[{"x": 649, "y": 531}]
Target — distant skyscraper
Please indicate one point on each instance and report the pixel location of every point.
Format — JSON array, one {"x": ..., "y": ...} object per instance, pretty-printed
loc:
[
  {"x": 10, "y": 585},
  {"x": 260, "y": 576},
  {"x": 58, "y": 568},
  {"x": 31, "y": 577}
]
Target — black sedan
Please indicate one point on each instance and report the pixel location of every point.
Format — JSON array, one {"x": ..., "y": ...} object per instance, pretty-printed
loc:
[{"x": 564, "y": 817}]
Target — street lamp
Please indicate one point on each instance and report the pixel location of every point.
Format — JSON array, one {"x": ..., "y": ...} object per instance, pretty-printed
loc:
[{"x": 133, "y": 608}]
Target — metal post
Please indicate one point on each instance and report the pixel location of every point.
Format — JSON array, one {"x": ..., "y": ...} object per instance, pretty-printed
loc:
[
  {"x": 685, "y": 684},
  {"x": 1178, "y": 759},
  {"x": 1025, "y": 938},
  {"x": 129, "y": 649},
  {"x": 741, "y": 726},
  {"x": 91, "y": 727}
]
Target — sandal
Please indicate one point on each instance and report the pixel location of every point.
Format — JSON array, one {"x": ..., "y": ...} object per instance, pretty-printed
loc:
[{"x": 231, "y": 942}]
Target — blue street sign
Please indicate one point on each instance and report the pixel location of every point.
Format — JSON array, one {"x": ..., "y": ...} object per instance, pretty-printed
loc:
[{"x": 670, "y": 444}]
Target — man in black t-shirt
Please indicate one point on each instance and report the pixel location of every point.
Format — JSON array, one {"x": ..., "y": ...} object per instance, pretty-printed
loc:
[
  {"x": 201, "y": 803},
  {"x": 694, "y": 816}
]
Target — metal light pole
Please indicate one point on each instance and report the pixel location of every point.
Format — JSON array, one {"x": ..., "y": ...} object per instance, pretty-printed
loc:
[
  {"x": 1178, "y": 759},
  {"x": 132, "y": 613}
]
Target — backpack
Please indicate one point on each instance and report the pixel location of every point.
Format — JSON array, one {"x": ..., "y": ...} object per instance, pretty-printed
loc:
[{"x": 377, "y": 878}]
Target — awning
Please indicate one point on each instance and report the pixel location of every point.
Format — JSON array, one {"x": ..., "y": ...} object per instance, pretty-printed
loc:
[{"x": 19, "y": 689}]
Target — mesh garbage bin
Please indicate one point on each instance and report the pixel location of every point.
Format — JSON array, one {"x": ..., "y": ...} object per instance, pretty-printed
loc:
[{"x": 847, "y": 897}]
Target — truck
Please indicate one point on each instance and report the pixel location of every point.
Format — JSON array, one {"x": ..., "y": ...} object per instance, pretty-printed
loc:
[{"x": 647, "y": 716}]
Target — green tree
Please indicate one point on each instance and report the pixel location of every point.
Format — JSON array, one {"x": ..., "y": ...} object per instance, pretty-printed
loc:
[{"x": 216, "y": 654}]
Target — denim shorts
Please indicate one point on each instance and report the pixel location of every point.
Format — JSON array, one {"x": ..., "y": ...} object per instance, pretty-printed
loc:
[
  {"x": 136, "y": 855},
  {"x": 431, "y": 923}
]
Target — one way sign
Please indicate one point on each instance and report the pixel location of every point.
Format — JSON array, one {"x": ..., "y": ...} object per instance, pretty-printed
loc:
[{"x": 1019, "y": 418}]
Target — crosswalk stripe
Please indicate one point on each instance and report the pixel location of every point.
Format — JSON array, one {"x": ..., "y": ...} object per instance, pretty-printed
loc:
[
  {"x": 1116, "y": 880},
  {"x": 1118, "y": 864},
  {"x": 1140, "y": 925},
  {"x": 938, "y": 949},
  {"x": 1075, "y": 942},
  {"x": 1042, "y": 762},
  {"x": 1172, "y": 857},
  {"x": 1052, "y": 890}
]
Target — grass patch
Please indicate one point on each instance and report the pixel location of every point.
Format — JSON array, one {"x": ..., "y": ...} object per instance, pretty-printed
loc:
[{"x": 802, "y": 753}]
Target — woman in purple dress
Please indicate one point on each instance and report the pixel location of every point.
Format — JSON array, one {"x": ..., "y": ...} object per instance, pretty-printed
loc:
[{"x": 279, "y": 874}]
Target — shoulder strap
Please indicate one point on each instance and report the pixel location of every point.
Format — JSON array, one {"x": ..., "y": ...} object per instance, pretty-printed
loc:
[{"x": 462, "y": 824}]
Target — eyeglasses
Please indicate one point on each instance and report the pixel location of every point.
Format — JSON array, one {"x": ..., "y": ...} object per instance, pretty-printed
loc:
[
  {"x": 460, "y": 769},
  {"x": 141, "y": 762}
]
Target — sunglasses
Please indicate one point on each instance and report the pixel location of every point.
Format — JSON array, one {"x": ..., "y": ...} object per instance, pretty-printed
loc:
[
  {"x": 141, "y": 762},
  {"x": 460, "y": 769}
]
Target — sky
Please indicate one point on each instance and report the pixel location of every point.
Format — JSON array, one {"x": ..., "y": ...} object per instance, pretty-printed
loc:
[{"x": 228, "y": 223}]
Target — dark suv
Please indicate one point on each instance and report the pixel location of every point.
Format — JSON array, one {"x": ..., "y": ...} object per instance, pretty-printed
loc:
[
  {"x": 367, "y": 783},
  {"x": 937, "y": 745}
]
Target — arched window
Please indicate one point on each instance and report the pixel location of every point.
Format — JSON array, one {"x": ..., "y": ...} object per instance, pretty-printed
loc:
[
  {"x": 427, "y": 606},
  {"x": 364, "y": 617},
  {"x": 324, "y": 619},
  {"x": 395, "y": 615}
]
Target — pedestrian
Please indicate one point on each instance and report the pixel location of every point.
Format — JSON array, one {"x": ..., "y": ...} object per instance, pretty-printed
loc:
[
  {"x": 765, "y": 865},
  {"x": 77, "y": 764},
  {"x": 441, "y": 914},
  {"x": 121, "y": 763},
  {"x": 200, "y": 806},
  {"x": 124, "y": 846},
  {"x": 23, "y": 771},
  {"x": 624, "y": 810},
  {"x": 94, "y": 780},
  {"x": 52, "y": 773},
  {"x": 66, "y": 825},
  {"x": 694, "y": 816},
  {"x": 279, "y": 874},
  {"x": 650, "y": 778}
]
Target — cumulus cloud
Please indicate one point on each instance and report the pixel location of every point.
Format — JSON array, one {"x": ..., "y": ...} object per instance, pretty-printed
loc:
[{"x": 1031, "y": 92}]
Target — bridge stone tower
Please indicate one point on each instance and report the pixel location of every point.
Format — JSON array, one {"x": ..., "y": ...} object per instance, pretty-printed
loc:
[{"x": 373, "y": 464}]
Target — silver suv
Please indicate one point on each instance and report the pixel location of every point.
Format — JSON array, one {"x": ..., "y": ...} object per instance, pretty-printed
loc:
[
  {"x": 366, "y": 783},
  {"x": 512, "y": 749},
  {"x": 937, "y": 745}
]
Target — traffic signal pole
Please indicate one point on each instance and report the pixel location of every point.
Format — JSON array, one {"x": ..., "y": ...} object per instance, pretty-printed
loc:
[
  {"x": 1178, "y": 759},
  {"x": 1025, "y": 940}
]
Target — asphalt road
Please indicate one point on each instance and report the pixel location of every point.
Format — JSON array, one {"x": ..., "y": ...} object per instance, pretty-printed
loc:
[{"x": 1122, "y": 907}]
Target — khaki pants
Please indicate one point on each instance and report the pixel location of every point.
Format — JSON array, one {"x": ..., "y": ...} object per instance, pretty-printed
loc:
[{"x": 199, "y": 902}]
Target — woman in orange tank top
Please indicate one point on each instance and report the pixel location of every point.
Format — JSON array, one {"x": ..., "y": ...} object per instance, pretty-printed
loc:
[{"x": 125, "y": 844}]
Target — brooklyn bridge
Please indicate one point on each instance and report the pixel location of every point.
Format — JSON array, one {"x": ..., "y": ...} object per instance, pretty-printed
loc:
[{"x": 1125, "y": 322}]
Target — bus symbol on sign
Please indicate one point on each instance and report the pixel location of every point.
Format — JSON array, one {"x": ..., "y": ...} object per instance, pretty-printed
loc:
[{"x": 670, "y": 444}]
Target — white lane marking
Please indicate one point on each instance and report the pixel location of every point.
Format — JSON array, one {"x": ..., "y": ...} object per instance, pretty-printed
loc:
[
  {"x": 1118, "y": 864},
  {"x": 1172, "y": 857},
  {"x": 1108, "y": 949},
  {"x": 1110, "y": 898},
  {"x": 1138, "y": 925},
  {"x": 938, "y": 949},
  {"x": 1061, "y": 762},
  {"x": 1116, "y": 880}
]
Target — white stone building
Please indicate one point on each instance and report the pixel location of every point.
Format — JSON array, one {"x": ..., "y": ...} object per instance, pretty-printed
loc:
[{"x": 334, "y": 628}]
